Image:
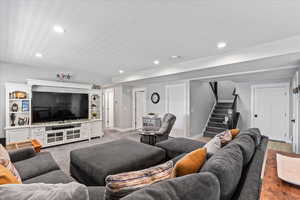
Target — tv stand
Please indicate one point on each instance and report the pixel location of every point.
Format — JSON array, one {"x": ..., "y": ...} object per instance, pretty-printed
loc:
[{"x": 19, "y": 126}]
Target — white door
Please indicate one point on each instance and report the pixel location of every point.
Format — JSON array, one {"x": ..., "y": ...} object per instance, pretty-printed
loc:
[
  {"x": 271, "y": 110},
  {"x": 109, "y": 108},
  {"x": 176, "y": 103},
  {"x": 139, "y": 109},
  {"x": 295, "y": 114}
]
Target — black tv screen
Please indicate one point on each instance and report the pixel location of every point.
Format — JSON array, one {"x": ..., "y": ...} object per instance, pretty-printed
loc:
[{"x": 50, "y": 106}]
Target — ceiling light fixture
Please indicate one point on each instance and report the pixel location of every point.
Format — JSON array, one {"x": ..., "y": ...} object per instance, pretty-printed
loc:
[
  {"x": 175, "y": 57},
  {"x": 156, "y": 62},
  {"x": 58, "y": 29},
  {"x": 221, "y": 45},
  {"x": 38, "y": 55},
  {"x": 121, "y": 71}
]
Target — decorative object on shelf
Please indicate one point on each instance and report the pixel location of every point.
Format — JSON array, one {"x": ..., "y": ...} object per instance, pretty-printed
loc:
[
  {"x": 25, "y": 105},
  {"x": 94, "y": 115},
  {"x": 20, "y": 95},
  {"x": 64, "y": 76},
  {"x": 12, "y": 119},
  {"x": 14, "y": 107},
  {"x": 155, "y": 97},
  {"x": 21, "y": 121}
]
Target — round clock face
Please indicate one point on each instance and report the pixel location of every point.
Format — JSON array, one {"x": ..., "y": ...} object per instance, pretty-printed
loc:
[{"x": 155, "y": 98}]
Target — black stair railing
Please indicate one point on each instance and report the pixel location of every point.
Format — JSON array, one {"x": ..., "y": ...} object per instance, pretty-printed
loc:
[
  {"x": 214, "y": 87},
  {"x": 233, "y": 115}
]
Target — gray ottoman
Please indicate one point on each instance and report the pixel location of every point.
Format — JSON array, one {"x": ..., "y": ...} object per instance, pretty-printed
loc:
[
  {"x": 91, "y": 165},
  {"x": 176, "y": 146}
]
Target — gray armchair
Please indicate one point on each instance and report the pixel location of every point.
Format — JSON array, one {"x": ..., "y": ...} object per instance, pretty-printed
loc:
[{"x": 152, "y": 137}]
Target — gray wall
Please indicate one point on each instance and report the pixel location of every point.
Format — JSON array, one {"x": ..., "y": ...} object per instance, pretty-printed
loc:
[
  {"x": 202, "y": 101},
  {"x": 160, "y": 107},
  {"x": 19, "y": 73},
  {"x": 225, "y": 89}
]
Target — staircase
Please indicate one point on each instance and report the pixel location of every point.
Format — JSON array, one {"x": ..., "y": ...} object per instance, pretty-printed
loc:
[{"x": 215, "y": 124}]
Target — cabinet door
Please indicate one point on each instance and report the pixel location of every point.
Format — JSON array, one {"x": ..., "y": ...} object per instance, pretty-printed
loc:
[
  {"x": 85, "y": 130},
  {"x": 17, "y": 135},
  {"x": 96, "y": 128},
  {"x": 38, "y": 134}
]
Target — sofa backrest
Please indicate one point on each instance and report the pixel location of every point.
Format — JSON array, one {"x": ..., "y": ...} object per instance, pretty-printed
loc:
[
  {"x": 227, "y": 165},
  {"x": 199, "y": 186}
]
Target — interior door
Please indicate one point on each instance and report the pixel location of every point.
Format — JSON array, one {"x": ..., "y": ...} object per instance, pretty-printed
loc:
[
  {"x": 139, "y": 108},
  {"x": 295, "y": 114},
  {"x": 271, "y": 111},
  {"x": 109, "y": 108},
  {"x": 176, "y": 104}
]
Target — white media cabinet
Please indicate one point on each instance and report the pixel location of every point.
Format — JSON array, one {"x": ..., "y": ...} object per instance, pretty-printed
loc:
[{"x": 53, "y": 133}]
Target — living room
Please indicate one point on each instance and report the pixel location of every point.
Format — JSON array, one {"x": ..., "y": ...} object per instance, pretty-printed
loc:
[{"x": 149, "y": 100}]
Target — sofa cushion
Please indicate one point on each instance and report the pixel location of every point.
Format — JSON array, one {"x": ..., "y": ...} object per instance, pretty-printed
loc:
[
  {"x": 120, "y": 185},
  {"x": 98, "y": 161},
  {"x": 40, "y": 164},
  {"x": 96, "y": 192},
  {"x": 190, "y": 163},
  {"x": 52, "y": 177},
  {"x": 200, "y": 186},
  {"x": 176, "y": 146},
  {"x": 247, "y": 145},
  {"x": 227, "y": 165}
]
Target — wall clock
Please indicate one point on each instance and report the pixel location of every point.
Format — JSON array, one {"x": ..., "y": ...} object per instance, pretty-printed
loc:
[{"x": 155, "y": 97}]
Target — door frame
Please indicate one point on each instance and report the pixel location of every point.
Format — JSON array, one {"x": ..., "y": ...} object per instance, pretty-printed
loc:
[
  {"x": 134, "y": 90},
  {"x": 295, "y": 99},
  {"x": 106, "y": 91},
  {"x": 272, "y": 85},
  {"x": 186, "y": 85}
]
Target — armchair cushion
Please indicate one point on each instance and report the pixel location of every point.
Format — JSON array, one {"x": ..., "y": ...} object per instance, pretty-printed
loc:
[{"x": 21, "y": 154}]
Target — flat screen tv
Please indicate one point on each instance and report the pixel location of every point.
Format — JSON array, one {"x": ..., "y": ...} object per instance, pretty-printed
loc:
[{"x": 50, "y": 106}]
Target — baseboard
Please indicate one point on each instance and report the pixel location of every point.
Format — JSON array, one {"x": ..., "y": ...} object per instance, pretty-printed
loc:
[{"x": 123, "y": 129}]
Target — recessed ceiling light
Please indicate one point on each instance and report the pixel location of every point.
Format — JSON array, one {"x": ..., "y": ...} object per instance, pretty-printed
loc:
[
  {"x": 221, "y": 45},
  {"x": 121, "y": 71},
  {"x": 175, "y": 57},
  {"x": 156, "y": 62},
  {"x": 38, "y": 55},
  {"x": 58, "y": 29}
]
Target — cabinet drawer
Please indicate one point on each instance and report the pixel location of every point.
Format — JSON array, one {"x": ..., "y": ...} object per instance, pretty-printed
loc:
[{"x": 37, "y": 130}]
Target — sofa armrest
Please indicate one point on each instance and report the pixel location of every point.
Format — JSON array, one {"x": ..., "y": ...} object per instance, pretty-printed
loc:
[{"x": 21, "y": 154}]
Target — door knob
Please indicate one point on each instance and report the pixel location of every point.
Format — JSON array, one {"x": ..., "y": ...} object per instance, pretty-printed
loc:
[
  {"x": 255, "y": 115},
  {"x": 293, "y": 120}
]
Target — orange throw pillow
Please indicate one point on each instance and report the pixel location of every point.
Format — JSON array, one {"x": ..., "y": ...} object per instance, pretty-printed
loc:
[
  {"x": 234, "y": 132},
  {"x": 6, "y": 177},
  {"x": 190, "y": 163}
]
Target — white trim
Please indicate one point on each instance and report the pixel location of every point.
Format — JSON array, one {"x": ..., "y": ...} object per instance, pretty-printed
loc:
[
  {"x": 270, "y": 85},
  {"x": 122, "y": 129},
  {"x": 106, "y": 91},
  {"x": 134, "y": 90},
  {"x": 35, "y": 82},
  {"x": 209, "y": 116}
]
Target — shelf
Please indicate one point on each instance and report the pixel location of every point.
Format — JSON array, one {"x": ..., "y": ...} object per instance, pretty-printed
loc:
[
  {"x": 22, "y": 112},
  {"x": 19, "y": 99}
]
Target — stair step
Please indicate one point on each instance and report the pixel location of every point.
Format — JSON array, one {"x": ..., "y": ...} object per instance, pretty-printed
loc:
[
  {"x": 215, "y": 129},
  {"x": 218, "y": 115},
  {"x": 223, "y": 107},
  {"x": 216, "y": 124},
  {"x": 223, "y": 111},
  {"x": 216, "y": 119},
  {"x": 224, "y": 103},
  {"x": 209, "y": 134}
]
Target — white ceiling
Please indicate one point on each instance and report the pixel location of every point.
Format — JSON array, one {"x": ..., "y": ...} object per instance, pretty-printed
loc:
[{"x": 107, "y": 35}]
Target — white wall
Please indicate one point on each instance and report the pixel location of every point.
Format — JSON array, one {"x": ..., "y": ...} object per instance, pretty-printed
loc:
[
  {"x": 19, "y": 73},
  {"x": 202, "y": 100}
]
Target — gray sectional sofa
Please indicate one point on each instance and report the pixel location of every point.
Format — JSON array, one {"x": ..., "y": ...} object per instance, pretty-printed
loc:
[{"x": 233, "y": 172}]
